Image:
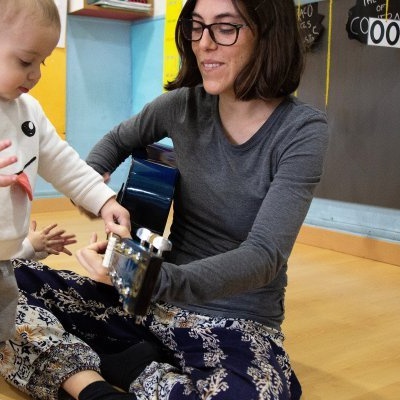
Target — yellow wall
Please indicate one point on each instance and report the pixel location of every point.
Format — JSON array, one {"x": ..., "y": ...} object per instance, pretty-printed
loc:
[
  {"x": 171, "y": 56},
  {"x": 51, "y": 89}
]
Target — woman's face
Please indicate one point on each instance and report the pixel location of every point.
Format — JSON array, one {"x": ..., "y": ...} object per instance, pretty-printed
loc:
[{"x": 219, "y": 65}]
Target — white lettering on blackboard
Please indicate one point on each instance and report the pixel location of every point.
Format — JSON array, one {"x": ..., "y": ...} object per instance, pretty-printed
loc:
[{"x": 358, "y": 24}]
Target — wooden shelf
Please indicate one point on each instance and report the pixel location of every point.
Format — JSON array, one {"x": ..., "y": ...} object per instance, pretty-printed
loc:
[{"x": 81, "y": 7}]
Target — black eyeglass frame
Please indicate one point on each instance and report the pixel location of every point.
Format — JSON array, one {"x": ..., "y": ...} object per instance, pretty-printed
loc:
[{"x": 237, "y": 27}]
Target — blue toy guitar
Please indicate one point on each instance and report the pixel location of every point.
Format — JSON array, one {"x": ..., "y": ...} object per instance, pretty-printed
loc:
[
  {"x": 147, "y": 194},
  {"x": 148, "y": 191}
]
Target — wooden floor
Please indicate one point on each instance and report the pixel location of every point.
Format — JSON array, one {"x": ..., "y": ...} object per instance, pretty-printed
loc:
[{"x": 342, "y": 319}]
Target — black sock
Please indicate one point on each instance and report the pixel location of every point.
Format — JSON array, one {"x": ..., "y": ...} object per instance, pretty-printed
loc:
[
  {"x": 123, "y": 368},
  {"x": 103, "y": 391}
]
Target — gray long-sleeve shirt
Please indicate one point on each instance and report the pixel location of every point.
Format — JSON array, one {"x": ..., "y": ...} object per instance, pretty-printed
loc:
[{"x": 237, "y": 208}]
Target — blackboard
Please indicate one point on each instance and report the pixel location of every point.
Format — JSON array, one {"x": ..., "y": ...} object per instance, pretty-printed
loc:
[{"x": 363, "y": 108}]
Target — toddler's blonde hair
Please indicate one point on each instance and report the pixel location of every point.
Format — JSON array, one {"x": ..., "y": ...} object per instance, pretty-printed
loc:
[{"x": 44, "y": 11}]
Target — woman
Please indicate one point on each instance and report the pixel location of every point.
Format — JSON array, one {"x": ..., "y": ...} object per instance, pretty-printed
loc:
[{"x": 250, "y": 156}]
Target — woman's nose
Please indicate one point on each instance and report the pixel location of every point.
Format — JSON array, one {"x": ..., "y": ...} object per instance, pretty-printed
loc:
[{"x": 206, "y": 40}]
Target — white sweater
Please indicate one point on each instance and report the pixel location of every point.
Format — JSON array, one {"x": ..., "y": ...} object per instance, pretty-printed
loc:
[{"x": 40, "y": 151}]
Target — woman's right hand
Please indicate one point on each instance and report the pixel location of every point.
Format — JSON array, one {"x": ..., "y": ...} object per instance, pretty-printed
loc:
[{"x": 91, "y": 256}]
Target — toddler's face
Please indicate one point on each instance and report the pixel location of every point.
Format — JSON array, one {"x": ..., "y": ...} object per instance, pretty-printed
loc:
[{"x": 24, "y": 46}]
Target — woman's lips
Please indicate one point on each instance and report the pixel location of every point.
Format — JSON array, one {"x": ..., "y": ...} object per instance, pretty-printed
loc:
[{"x": 23, "y": 89}]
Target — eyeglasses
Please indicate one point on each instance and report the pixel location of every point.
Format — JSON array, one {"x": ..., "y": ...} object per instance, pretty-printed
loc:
[{"x": 222, "y": 33}]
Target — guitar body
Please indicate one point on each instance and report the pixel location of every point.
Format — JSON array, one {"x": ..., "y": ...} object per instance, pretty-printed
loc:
[{"x": 148, "y": 191}]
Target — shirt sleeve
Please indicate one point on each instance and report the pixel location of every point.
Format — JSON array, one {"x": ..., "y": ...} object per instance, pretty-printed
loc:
[
  {"x": 62, "y": 166},
  {"x": 26, "y": 251},
  {"x": 147, "y": 127}
]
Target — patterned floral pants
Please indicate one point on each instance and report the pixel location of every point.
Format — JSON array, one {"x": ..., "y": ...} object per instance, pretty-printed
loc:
[{"x": 64, "y": 320}]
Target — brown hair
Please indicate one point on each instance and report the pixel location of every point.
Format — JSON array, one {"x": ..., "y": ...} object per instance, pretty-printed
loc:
[{"x": 276, "y": 65}]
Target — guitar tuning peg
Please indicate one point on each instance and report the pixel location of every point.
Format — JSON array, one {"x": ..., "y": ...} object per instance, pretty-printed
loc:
[
  {"x": 144, "y": 235},
  {"x": 161, "y": 244}
]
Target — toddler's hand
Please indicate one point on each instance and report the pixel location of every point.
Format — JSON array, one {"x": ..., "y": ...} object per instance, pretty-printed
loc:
[{"x": 50, "y": 240}]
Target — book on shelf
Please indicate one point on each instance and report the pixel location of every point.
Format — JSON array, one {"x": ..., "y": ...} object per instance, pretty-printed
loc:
[{"x": 122, "y": 4}]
